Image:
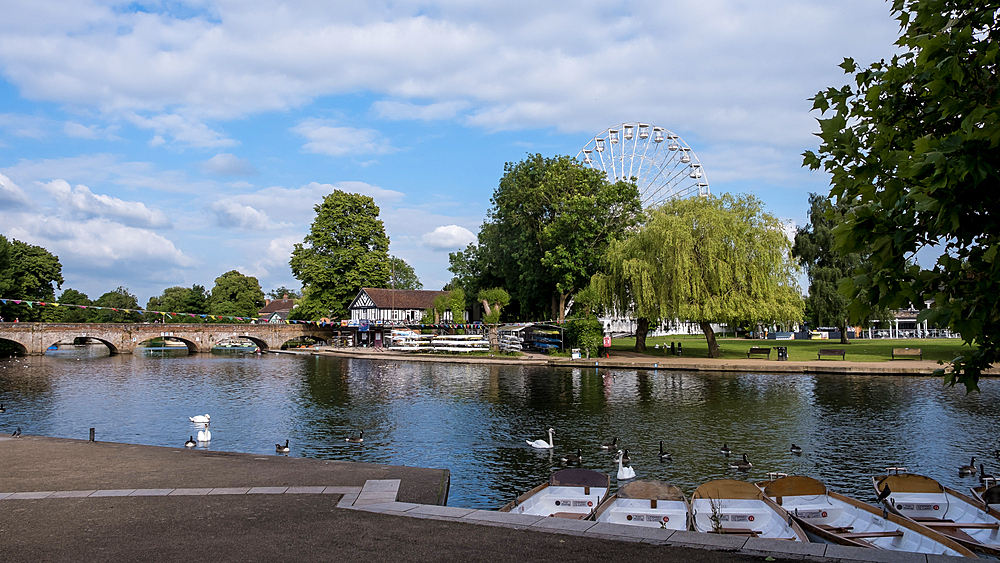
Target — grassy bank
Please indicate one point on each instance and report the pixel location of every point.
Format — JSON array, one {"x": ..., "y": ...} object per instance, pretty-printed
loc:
[{"x": 859, "y": 350}]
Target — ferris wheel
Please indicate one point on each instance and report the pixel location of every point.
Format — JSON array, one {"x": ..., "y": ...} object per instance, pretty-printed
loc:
[{"x": 663, "y": 165}]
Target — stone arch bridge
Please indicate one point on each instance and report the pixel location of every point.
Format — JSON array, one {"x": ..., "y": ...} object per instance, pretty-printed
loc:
[{"x": 122, "y": 338}]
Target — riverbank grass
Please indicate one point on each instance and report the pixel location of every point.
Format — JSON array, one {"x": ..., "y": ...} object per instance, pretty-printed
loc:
[{"x": 859, "y": 350}]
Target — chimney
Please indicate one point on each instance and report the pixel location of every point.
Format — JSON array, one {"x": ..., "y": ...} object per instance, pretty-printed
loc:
[
  {"x": 285, "y": 297},
  {"x": 267, "y": 302}
]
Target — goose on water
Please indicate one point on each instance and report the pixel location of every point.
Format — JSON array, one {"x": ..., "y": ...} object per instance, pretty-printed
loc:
[
  {"x": 542, "y": 444},
  {"x": 360, "y": 438},
  {"x": 624, "y": 472},
  {"x": 725, "y": 450},
  {"x": 795, "y": 449},
  {"x": 190, "y": 443},
  {"x": 574, "y": 458},
  {"x": 968, "y": 469},
  {"x": 205, "y": 435},
  {"x": 200, "y": 419},
  {"x": 626, "y": 459},
  {"x": 744, "y": 465},
  {"x": 282, "y": 449},
  {"x": 2, "y": 410},
  {"x": 612, "y": 445},
  {"x": 664, "y": 456}
]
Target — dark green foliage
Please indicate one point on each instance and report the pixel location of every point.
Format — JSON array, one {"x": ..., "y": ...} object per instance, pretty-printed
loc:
[
  {"x": 551, "y": 221},
  {"x": 914, "y": 149},
  {"x": 235, "y": 295},
  {"x": 73, "y": 314},
  {"x": 586, "y": 334},
  {"x": 119, "y": 299},
  {"x": 281, "y": 292},
  {"x": 193, "y": 300},
  {"x": 346, "y": 249},
  {"x": 30, "y": 273},
  {"x": 402, "y": 275}
]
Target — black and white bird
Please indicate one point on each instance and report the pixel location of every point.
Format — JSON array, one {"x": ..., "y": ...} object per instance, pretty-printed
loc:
[
  {"x": 359, "y": 439},
  {"x": 626, "y": 459},
  {"x": 968, "y": 469},
  {"x": 744, "y": 465},
  {"x": 612, "y": 445},
  {"x": 725, "y": 450},
  {"x": 190, "y": 443},
  {"x": 282, "y": 449},
  {"x": 574, "y": 458},
  {"x": 17, "y": 433},
  {"x": 664, "y": 456},
  {"x": 797, "y": 450},
  {"x": 984, "y": 477},
  {"x": 2, "y": 410}
]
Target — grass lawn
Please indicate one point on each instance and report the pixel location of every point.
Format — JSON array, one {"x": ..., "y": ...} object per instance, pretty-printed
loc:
[{"x": 859, "y": 350}]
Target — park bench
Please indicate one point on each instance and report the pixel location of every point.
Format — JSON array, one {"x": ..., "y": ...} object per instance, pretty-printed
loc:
[
  {"x": 918, "y": 352},
  {"x": 759, "y": 351},
  {"x": 830, "y": 352}
]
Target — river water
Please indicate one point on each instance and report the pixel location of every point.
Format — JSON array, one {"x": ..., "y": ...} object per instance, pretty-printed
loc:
[{"x": 474, "y": 419}]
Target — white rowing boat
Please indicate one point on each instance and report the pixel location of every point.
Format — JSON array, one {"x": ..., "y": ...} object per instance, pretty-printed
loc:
[
  {"x": 571, "y": 493},
  {"x": 646, "y": 503},
  {"x": 829, "y": 517},
  {"x": 956, "y": 515},
  {"x": 726, "y": 506}
]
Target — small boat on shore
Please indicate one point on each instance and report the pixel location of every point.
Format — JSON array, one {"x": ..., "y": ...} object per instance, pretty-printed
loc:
[
  {"x": 570, "y": 493},
  {"x": 927, "y": 502},
  {"x": 727, "y": 506},
  {"x": 987, "y": 494},
  {"x": 646, "y": 503},
  {"x": 829, "y": 517}
]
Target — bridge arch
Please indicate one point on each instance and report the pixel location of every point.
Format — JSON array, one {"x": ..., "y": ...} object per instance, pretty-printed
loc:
[{"x": 14, "y": 346}]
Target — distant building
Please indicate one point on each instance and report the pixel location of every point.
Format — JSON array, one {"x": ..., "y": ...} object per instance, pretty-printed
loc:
[
  {"x": 275, "y": 311},
  {"x": 402, "y": 305}
]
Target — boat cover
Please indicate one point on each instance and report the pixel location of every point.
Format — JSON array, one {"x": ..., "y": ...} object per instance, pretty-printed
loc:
[
  {"x": 992, "y": 495},
  {"x": 650, "y": 490},
  {"x": 909, "y": 483},
  {"x": 728, "y": 488},
  {"x": 576, "y": 477},
  {"x": 794, "y": 486}
]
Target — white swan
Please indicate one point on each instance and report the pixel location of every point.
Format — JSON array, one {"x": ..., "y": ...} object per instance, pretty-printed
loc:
[
  {"x": 205, "y": 435},
  {"x": 624, "y": 472},
  {"x": 200, "y": 419},
  {"x": 542, "y": 444}
]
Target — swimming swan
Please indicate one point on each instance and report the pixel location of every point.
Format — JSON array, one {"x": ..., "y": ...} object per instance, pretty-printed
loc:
[
  {"x": 624, "y": 472},
  {"x": 200, "y": 419},
  {"x": 542, "y": 444},
  {"x": 205, "y": 435}
]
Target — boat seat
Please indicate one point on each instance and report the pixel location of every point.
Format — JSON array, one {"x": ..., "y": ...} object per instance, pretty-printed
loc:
[
  {"x": 835, "y": 529},
  {"x": 569, "y": 515},
  {"x": 861, "y": 535},
  {"x": 986, "y": 525},
  {"x": 738, "y": 532}
]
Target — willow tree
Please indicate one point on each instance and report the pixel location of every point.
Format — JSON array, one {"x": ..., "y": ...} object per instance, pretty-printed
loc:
[{"x": 707, "y": 260}]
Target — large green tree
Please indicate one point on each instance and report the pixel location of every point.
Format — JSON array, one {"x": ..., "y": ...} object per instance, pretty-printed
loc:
[
  {"x": 70, "y": 314},
  {"x": 188, "y": 300},
  {"x": 826, "y": 267},
  {"x": 118, "y": 306},
  {"x": 236, "y": 295},
  {"x": 708, "y": 260},
  {"x": 913, "y": 149},
  {"x": 551, "y": 222},
  {"x": 27, "y": 272},
  {"x": 402, "y": 275},
  {"x": 346, "y": 249}
]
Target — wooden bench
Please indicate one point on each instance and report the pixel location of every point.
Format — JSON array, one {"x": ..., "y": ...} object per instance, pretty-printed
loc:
[
  {"x": 830, "y": 352},
  {"x": 918, "y": 352},
  {"x": 758, "y": 351}
]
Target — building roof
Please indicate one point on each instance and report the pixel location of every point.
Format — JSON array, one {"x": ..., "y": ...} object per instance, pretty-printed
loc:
[
  {"x": 397, "y": 298},
  {"x": 277, "y": 306}
]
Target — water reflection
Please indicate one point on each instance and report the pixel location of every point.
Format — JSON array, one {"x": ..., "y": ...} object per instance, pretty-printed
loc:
[{"x": 474, "y": 419}]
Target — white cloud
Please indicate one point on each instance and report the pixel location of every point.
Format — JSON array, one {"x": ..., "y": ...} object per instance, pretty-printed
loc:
[
  {"x": 183, "y": 129},
  {"x": 328, "y": 139},
  {"x": 225, "y": 164},
  {"x": 11, "y": 195},
  {"x": 20, "y": 125},
  {"x": 231, "y": 214},
  {"x": 81, "y": 202},
  {"x": 429, "y": 112},
  {"x": 448, "y": 237},
  {"x": 92, "y": 132}
]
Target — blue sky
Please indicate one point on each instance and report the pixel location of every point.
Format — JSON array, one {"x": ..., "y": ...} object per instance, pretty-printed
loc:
[{"x": 154, "y": 144}]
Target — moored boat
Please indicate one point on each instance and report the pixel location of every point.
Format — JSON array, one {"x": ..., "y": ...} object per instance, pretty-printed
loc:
[
  {"x": 727, "y": 506},
  {"x": 570, "y": 493},
  {"x": 829, "y": 517},
  {"x": 646, "y": 503},
  {"x": 954, "y": 514},
  {"x": 987, "y": 494}
]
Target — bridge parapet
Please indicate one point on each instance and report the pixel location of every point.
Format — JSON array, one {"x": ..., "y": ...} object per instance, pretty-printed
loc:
[{"x": 123, "y": 338}]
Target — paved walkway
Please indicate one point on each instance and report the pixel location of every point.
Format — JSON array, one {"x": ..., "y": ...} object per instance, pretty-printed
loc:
[{"x": 72, "y": 500}]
